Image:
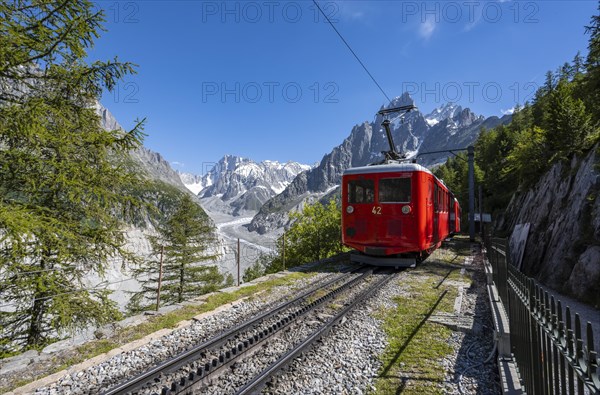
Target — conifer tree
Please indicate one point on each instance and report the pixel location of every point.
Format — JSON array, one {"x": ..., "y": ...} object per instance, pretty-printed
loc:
[
  {"x": 568, "y": 123},
  {"x": 592, "y": 79},
  {"x": 578, "y": 64},
  {"x": 62, "y": 176},
  {"x": 184, "y": 246}
]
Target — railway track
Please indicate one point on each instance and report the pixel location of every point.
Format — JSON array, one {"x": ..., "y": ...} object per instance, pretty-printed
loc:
[
  {"x": 206, "y": 363},
  {"x": 259, "y": 382}
]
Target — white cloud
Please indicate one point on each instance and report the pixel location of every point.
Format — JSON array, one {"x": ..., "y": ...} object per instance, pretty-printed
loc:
[
  {"x": 357, "y": 15},
  {"x": 347, "y": 11},
  {"x": 178, "y": 164},
  {"x": 507, "y": 112},
  {"x": 475, "y": 20},
  {"x": 471, "y": 25},
  {"x": 427, "y": 27}
]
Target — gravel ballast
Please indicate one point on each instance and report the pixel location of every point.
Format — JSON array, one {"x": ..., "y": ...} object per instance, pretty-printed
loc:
[
  {"x": 127, "y": 364},
  {"x": 346, "y": 361}
]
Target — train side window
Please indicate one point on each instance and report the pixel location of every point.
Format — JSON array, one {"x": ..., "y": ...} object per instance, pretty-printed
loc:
[
  {"x": 444, "y": 196},
  {"x": 441, "y": 192},
  {"x": 361, "y": 191},
  {"x": 394, "y": 190},
  {"x": 442, "y": 200},
  {"x": 430, "y": 199},
  {"x": 442, "y": 203}
]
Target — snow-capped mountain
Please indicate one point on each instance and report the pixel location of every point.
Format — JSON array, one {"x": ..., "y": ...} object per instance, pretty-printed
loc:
[
  {"x": 192, "y": 182},
  {"x": 241, "y": 183},
  {"x": 448, "y": 110}
]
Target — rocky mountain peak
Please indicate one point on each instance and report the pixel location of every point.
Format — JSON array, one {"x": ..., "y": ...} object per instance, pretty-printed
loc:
[
  {"x": 403, "y": 100},
  {"x": 447, "y": 111},
  {"x": 230, "y": 162},
  {"x": 466, "y": 117},
  {"x": 241, "y": 184}
]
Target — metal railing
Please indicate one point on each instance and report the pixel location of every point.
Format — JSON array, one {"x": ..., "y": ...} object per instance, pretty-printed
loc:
[
  {"x": 552, "y": 353},
  {"x": 496, "y": 251}
]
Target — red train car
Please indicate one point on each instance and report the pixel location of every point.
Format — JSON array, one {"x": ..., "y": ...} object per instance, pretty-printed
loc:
[
  {"x": 455, "y": 213},
  {"x": 396, "y": 214}
]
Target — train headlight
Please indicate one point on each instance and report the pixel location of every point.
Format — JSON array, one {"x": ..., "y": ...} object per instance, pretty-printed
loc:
[
  {"x": 349, "y": 209},
  {"x": 406, "y": 209}
]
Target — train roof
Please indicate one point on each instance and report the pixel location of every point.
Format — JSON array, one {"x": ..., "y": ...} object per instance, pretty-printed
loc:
[{"x": 387, "y": 168}]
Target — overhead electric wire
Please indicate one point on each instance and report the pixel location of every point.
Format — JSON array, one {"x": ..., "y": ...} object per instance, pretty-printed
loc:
[
  {"x": 351, "y": 50},
  {"x": 16, "y": 273},
  {"x": 228, "y": 259},
  {"x": 91, "y": 289}
]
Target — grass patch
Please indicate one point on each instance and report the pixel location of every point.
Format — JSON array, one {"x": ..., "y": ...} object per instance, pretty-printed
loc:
[
  {"x": 316, "y": 295},
  {"x": 85, "y": 352},
  {"x": 155, "y": 323},
  {"x": 412, "y": 359}
]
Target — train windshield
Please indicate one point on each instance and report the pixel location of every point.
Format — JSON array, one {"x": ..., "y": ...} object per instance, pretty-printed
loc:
[
  {"x": 394, "y": 190},
  {"x": 361, "y": 191}
]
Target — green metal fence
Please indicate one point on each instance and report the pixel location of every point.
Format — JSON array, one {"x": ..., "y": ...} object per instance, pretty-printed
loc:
[{"x": 552, "y": 353}]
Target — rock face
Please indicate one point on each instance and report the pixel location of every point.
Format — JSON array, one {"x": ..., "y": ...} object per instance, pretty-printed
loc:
[
  {"x": 157, "y": 168},
  {"x": 448, "y": 127},
  {"x": 563, "y": 208}
]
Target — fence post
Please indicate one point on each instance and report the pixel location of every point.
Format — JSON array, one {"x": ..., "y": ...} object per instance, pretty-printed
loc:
[
  {"x": 504, "y": 280},
  {"x": 536, "y": 341},
  {"x": 481, "y": 210},
  {"x": 570, "y": 349}
]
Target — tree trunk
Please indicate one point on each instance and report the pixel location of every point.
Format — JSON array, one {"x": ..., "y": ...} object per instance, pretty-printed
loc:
[
  {"x": 38, "y": 310},
  {"x": 34, "y": 334},
  {"x": 181, "y": 282}
]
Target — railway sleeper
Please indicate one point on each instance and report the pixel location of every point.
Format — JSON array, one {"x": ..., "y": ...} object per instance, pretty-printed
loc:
[
  {"x": 268, "y": 374},
  {"x": 228, "y": 358},
  {"x": 215, "y": 365}
]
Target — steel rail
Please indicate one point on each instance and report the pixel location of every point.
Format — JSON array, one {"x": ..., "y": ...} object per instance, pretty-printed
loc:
[
  {"x": 201, "y": 374},
  {"x": 256, "y": 385},
  {"x": 193, "y": 353}
]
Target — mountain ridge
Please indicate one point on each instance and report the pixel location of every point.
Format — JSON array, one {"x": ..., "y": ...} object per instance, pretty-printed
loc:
[
  {"x": 152, "y": 163},
  {"x": 239, "y": 185}
]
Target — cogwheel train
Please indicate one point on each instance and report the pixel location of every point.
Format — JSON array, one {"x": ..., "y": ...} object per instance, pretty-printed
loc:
[{"x": 395, "y": 213}]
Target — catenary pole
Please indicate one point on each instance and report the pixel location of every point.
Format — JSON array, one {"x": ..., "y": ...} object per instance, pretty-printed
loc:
[{"x": 471, "y": 156}]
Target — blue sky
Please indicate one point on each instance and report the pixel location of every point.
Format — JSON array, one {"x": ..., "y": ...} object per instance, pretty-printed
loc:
[{"x": 272, "y": 80}]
